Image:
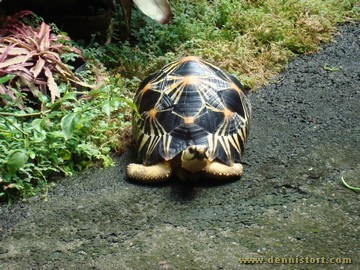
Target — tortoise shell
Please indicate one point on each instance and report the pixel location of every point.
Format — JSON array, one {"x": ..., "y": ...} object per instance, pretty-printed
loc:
[{"x": 191, "y": 102}]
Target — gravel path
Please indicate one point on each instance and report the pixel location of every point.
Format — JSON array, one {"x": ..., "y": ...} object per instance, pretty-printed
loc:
[{"x": 305, "y": 136}]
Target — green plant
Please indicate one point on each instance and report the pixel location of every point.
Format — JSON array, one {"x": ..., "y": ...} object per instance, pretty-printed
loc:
[
  {"x": 68, "y": 129},
  {"x": 69, "y": 135},
  {"x": 254, "y": 40},
  {"x": 5, "y": 93}
]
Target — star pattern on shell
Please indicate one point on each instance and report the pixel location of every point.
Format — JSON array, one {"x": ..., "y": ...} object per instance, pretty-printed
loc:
[{"x": 191, "y": 102}]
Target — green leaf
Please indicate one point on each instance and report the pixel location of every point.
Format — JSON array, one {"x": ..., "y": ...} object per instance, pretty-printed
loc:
[
  {"x": 69, "y": 96},
  {"x": 32, "y": 154},
  {"x": 65, "y": 154},
  {"x": 95, "y": 92},
  {"x": 56, "y": 134},
  {"x": 6, "y": 78},
  {"x": 107, "y": 106},
  {"x": 16, "y": 160},
  {"x": 38, "y": 124},
  {"x": 69, "y": 123},
  {"x": 133, "y": 107},
  {"x": 58, "y": 103}
]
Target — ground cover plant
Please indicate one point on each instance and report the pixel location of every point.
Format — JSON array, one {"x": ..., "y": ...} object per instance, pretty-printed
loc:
[
  {"x": 46, "y": 120},
  {"x": 33, "y": 57},
  {"x": 251, "y": 39},
  {"x": 57, "y": 120}
]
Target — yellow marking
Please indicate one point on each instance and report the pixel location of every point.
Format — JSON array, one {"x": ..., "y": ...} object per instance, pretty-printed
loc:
[
  {"x": 139, "y": 95},
  {"x": 190, "y": 80},
  {"x": 152, "y": 113},
  {"x": 151, "y": 146},
  {"x": 143, "y": 141},
  {"x": 166, "y": 141},
  {"x": 177, "y": 88},
  {"x": 146, "y": 88},
  {"x": 233, "y": 139},
  {"x": 189, "y": 58},
  {"x": 189, "y": 120},
  {"x": 225, "y": 146},
  {"x": 227, "y": 113},
  {"x": 236, "y": 88},
  {"x": 212, "y": 146}
]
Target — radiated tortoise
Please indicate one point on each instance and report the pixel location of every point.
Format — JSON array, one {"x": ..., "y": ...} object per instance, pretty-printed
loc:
[{"x": 192, "y": 121}]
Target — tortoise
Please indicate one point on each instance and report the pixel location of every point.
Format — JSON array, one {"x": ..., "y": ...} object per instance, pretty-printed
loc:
[{"x": 192, "y": 119}]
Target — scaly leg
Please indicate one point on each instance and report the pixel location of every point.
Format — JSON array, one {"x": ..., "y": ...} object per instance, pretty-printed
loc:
[
  {"x": 220, "y": 171},
  {"x": 149, "y": 174}
]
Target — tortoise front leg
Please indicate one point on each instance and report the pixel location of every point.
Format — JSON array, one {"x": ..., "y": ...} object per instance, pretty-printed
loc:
[
  {"x": 149, "y": 174},
  {"x": 222, "y": 171}
]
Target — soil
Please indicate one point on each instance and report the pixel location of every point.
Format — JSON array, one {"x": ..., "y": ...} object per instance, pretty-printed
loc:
[{"x": 290, "y": 203}]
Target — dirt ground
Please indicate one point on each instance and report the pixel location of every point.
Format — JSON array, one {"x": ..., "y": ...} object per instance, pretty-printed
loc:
[{"x": 305, "y": 136}]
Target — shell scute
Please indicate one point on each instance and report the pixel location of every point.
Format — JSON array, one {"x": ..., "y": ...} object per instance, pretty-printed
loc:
[
  {"x": 209, "y": 120},
  {"x": 148, "y": 100}
]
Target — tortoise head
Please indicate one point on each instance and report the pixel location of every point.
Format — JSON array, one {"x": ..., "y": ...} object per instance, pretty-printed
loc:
[{"x": 194, "y": 158}]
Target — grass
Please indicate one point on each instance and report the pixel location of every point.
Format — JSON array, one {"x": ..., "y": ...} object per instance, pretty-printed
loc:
[{"x": 254, "y": 40}]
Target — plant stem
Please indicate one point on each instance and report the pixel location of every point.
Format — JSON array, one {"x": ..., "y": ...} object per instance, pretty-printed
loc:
[
  {"x": 348, "y": 186},
  {"x": 24, "y": 115},
  {"x": 16, "y": 127}
]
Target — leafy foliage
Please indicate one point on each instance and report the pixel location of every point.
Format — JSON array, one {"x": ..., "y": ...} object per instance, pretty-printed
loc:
[
  {"x": 62, "y": 130},
  {"x": 251, "y": 39},
  {"x": 34, "y": 57},
  {"x": 64, "y": 137}
]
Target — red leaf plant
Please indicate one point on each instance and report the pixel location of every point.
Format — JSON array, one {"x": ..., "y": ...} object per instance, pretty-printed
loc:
[{"x": 33, "y": 56}]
